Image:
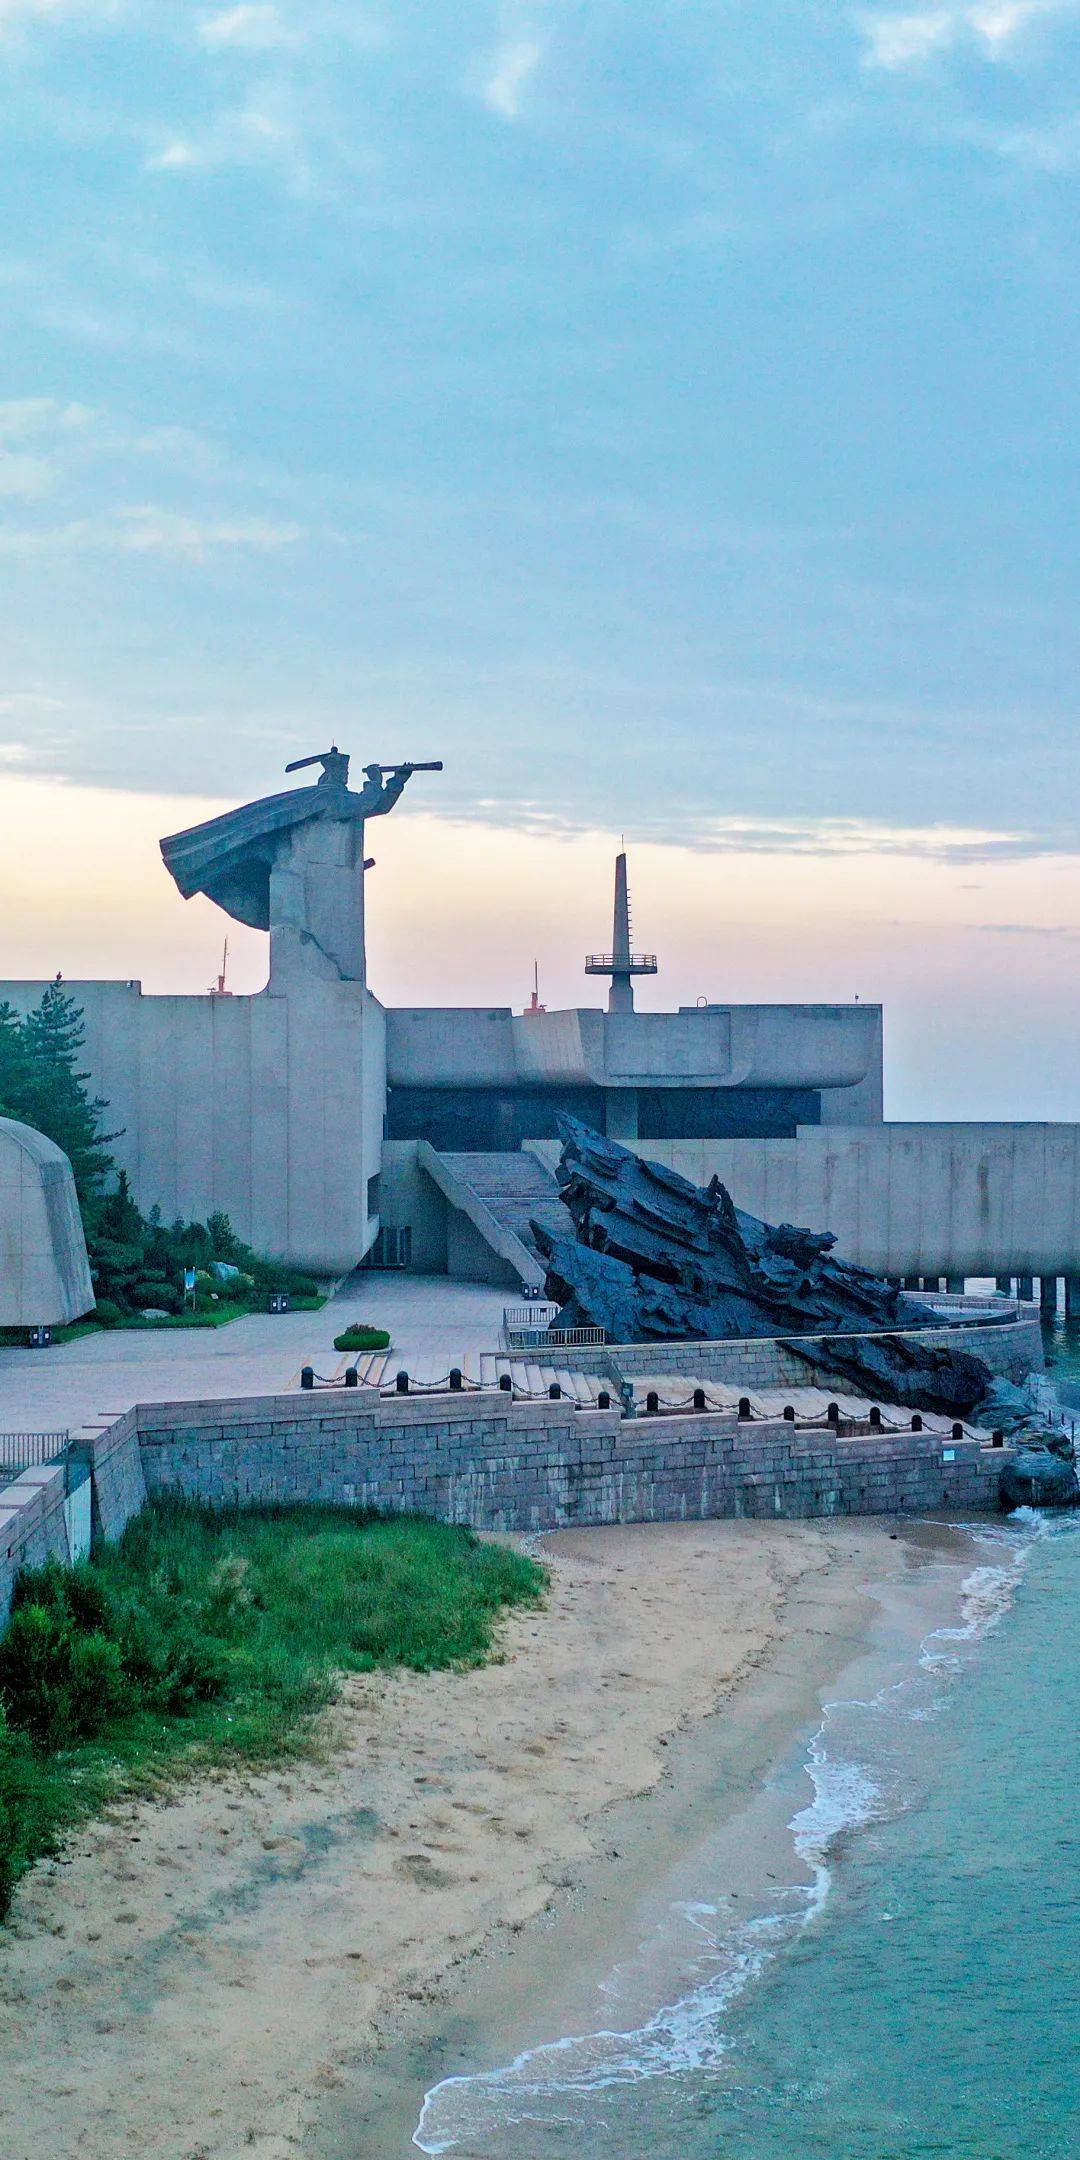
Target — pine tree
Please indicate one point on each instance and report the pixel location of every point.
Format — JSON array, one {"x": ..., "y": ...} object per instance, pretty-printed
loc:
[
  {"x": 16, "y": 1073},
  {"x": 53, "y": 1035}
]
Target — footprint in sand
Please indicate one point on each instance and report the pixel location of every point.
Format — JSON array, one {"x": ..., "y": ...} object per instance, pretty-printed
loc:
[{"x": 418, "y": 1869}]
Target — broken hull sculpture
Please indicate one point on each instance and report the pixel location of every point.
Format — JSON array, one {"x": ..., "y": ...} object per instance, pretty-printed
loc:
[{"x": 657, "y": 1259}]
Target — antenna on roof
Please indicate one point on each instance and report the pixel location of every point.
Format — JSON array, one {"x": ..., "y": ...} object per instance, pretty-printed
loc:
[
  {"x": 218, "y": 989},
  {"x": 534, "y": 1005},
  {"x": 621, "y": 964}
]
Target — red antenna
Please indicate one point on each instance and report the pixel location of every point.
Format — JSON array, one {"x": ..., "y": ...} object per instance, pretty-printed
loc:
[
  {"x": 534, "y": 1005},
  {"x": 218, "y": 989}
]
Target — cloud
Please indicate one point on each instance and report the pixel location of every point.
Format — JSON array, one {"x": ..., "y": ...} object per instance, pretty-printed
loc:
[
  {"x": 15, "y": 13},
  {"x": 840, "y": 836},
  {"x": 145, "y": 529},
  {"x": 31, "y": 444},
  {"x": 508, "y": 73},
  {"x": 252, "y": 27},
  {"x": 260, "y": 132},
  {"x": 23, "y": 418},
  {"x": 902, "y": 38},
  {"x": 1051, "y": 148},
  {"x": 1066, "y": 931}
]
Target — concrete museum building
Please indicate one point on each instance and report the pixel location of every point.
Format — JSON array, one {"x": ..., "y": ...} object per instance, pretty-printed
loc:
[{"x": 333, "y": 1129}]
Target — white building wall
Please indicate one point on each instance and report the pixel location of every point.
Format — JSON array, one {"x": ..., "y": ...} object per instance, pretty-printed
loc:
[
  {"x": 268, "y": 1108},
  {"x": 956, "y": 1199}
]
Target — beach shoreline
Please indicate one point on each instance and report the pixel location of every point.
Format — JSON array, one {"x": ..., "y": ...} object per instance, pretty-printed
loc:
[{"x": 264, "y": 1965}]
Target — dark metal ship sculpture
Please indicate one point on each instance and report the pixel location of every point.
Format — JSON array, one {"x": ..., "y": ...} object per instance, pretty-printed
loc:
[{"x": 658, "y": 1259}]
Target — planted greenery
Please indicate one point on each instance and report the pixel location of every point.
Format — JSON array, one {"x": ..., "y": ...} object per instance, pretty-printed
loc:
[
  {"x": 360, "y": 1336},
  {"x": 203, "y": 1638}
]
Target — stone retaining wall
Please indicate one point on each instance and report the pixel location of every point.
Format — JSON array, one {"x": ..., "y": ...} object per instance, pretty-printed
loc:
[
  {"x": 1012, "y": 1348},
  {"x": 33, "y": 1527},
  {"x": 494, "y": 1464},
  {"x": 33, "y": 1523}
]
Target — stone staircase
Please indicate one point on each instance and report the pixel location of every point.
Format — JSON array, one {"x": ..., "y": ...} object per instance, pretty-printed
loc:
[{"x": 502, "y": 1194}]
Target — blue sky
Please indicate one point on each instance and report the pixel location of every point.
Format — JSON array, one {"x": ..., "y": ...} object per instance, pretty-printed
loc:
[{"x": 663, "y": 412}]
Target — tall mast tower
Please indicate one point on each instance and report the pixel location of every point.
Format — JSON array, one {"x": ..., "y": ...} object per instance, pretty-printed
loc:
[{"x": 621, "y": 964}]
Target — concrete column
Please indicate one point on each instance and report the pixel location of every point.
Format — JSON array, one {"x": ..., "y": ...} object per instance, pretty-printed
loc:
[
  {"x": 1072, "y": 1297},
  {"x": 1048, "y": 1297},
  {"x": 1004, "y": 1283},
  {"x": 955, "y": 1283},
  {"x": 1025, "y": 1288},
  {"x": 621, "y": 1114}
]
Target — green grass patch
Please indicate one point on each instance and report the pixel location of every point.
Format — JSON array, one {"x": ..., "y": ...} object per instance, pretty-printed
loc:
[
  {"x": 203, "y": 1639},
  {"x": 359, "y": 1336}
]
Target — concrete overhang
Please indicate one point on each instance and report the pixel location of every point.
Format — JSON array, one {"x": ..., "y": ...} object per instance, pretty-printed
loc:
[{"x": 808, "y": 1046}]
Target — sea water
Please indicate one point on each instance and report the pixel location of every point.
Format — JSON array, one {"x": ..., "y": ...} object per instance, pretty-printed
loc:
[{"x": 914, "y": 1992}]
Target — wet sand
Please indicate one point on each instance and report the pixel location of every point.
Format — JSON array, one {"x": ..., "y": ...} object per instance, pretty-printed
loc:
[{"x": 266, "y": 1966}]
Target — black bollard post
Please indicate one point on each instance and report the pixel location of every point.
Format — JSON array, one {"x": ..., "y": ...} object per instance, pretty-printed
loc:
[
  {"x": 875, "y": 1416},
  {"x": 603, "y": 1400},
  {"x": 652, "y": 1402},
  {"x": 402, "y": 1383},
  {"x": 699, "y": 1398},
  {"x": 744, "y": 1408},
  {"x": 352, "y": 1377},
  {"x": 455, "y": 1379},
  {"x": 916, "y": 1422},
  {"x": 789, "y": 1414},
  {"x": 555, "y": 1392},
  {"x": 832, "y": 1413},
  {"x": 506, "y": 1385},
  {"x": 997, "y": 1437},
  {"x": 307, "y": 1376},
  {"x": 958, "y": 1431}
]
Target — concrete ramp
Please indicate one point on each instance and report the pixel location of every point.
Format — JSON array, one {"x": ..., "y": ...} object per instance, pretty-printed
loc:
[{"x": 501, "y": 1195}]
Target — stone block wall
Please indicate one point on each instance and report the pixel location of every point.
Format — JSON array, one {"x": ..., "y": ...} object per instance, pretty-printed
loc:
[
  {"x": 33, "y": 1527},
  {"x": 1012, "y": 1348},
  {"x": 119, "y": 1485},
  {"x": 494, "y": 1464}
]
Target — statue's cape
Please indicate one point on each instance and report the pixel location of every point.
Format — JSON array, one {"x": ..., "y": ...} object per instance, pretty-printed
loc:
[{"x": 229, "y": 858}]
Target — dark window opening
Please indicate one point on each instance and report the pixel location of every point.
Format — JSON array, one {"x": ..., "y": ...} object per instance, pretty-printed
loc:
[{"x": 726, "y": 1113}]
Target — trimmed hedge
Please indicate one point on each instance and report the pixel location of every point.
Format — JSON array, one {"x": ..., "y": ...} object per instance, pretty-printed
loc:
[{"x": 359, "y": 1336}]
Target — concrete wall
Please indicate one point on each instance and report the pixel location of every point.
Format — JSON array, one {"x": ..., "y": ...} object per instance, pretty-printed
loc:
[
  {"x": 813, "y": 1046},
  {"x": 1012, "y": 1350},
  {"x": 36, "y": 1512},
  {"x": 409, "y": 1199},
  {"x": 269, "y": 1108},
  {"x": 911, "y": 1200},
  {"x": 44, "y": 1271},
  {"x": 499, "y": 1465}
]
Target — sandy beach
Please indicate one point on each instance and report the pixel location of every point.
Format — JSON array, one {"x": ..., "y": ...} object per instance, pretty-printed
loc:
[{"x": 223, "y": 1973}]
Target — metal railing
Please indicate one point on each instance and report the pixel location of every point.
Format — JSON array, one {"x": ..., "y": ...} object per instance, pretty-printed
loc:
[
  {"x": 605, "y": 963},
  {"x": 553, "y": 1338},
  {"x": 538, "y": 1314},
  {"x": 29, "y": 1450}
]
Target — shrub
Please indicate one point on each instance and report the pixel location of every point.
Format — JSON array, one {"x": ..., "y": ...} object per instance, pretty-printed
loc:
[
  {"x": 107, "y": 1312},
  {"x": 27, "y": 1810},
  {"x": 159, "y": 1294},
  {"x": 359, "y": 1335},
  {"x": 171, "y": 1666},
  {"x": 57, "y": 1683}
]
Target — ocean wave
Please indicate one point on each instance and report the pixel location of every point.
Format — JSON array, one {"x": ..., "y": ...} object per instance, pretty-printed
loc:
[{"x": 858, "y": 1765}]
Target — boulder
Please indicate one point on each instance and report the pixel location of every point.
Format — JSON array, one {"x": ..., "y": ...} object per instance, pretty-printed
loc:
[{"x": 1037, "y": 1478}]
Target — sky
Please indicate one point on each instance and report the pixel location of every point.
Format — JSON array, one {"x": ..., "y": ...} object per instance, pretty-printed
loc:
[{"x": 664, "y": 413}]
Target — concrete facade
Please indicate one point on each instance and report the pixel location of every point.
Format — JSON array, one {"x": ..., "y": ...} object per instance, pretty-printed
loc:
[
  {"x": 268, "y": 1108},
  {"x": 44, "y": 1271},
  {"x": 303, "y": 1113},
  {"x": 913, "y": 1200}
]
